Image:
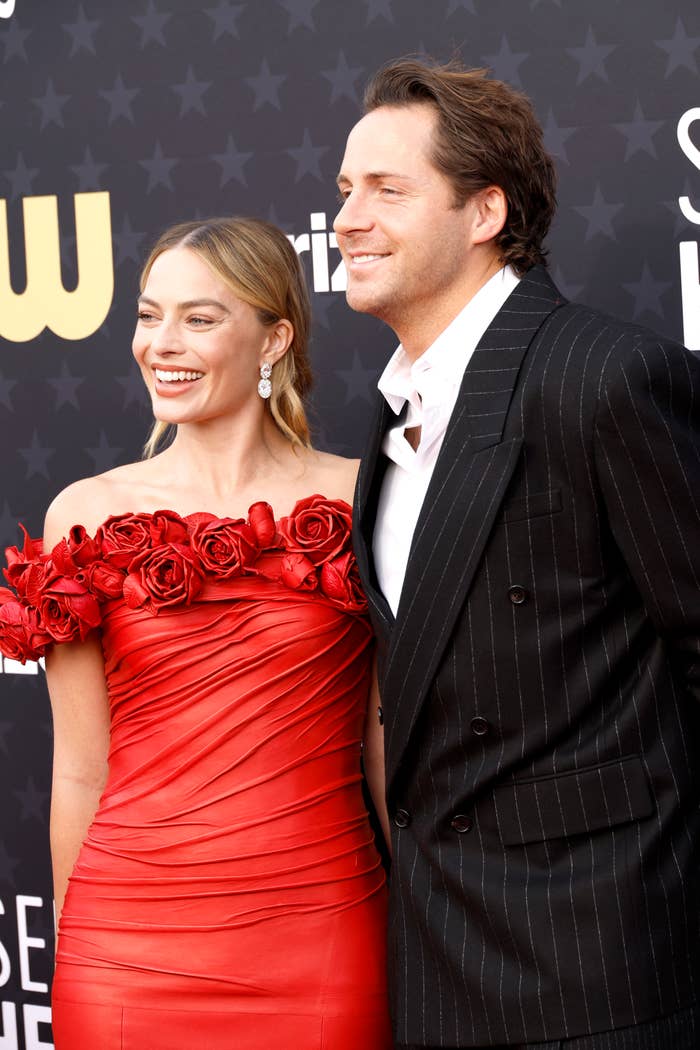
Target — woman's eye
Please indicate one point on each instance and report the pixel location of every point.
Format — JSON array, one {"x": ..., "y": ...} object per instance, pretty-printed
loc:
[
  {"x": 143, "y": 315},
  {"x": 199, "y": 321}
]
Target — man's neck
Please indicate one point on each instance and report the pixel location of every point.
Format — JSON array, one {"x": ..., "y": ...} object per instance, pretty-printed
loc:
[{"x": 418, "y": 333}]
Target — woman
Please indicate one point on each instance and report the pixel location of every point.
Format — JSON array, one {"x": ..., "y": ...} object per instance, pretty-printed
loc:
[{"x": 208, "y": 834}]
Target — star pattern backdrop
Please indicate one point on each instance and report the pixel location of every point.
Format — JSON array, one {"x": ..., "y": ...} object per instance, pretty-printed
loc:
[{"x": 181, "y": 110}]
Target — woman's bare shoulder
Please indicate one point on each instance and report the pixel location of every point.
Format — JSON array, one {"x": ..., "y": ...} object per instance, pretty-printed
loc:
[
  {"x": 337, "y": 475},
  {"x": 90, "y": 501}
]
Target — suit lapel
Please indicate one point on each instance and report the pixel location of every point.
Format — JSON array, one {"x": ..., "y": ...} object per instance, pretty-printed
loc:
[
  {"x": 367, "y": 489},
  {"x": 468, "y": 484}
]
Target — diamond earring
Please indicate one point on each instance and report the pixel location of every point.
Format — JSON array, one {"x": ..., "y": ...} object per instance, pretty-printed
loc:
[{"x": 265, "y": 386}]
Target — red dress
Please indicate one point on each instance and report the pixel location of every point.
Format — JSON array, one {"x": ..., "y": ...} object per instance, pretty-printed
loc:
[{"x": 228, "y": 895}]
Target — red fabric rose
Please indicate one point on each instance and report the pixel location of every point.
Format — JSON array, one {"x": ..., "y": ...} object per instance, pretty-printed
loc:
[
  {"x": 26, "y": 568},
  {"x": 167, "y": 527},
  {"x": 30, "y": 580},
  {"x": 226, "y": 546},
  {"x": 199, "y": 517},
  {"x": 67, "y": 610},
  {"x": 123, "y": 536},
  {"x": 103, "y": 580},
  {"x": 74, "y": 552},
  {"x": 21, "y": 635},
  {"x": 317, "y": 527},
  {"x": 6, "y": 596},
  {"x": 340, "y": 581},
  {"x": 297, "y": 572},
  {"x": 162, "y": 577},
  {"x": 262, "y": 522}
]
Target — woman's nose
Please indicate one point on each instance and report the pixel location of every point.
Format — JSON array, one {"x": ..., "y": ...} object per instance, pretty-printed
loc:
[{"x": 166, "y": 338}]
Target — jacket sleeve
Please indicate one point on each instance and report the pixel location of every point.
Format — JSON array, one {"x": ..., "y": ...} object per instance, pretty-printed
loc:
[{"x": 647, "y": 450}]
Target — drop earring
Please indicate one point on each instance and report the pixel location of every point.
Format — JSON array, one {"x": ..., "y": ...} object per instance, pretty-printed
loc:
[{"x": 265, "y": 386}]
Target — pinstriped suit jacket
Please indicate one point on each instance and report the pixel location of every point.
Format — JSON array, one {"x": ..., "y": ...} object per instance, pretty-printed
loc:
[{"x": 541, "y": 688}]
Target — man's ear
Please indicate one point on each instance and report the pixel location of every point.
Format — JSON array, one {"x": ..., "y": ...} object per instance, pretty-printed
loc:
[
  {"x": 278, "y": 340},
  {"x": 490, "y": 214}
]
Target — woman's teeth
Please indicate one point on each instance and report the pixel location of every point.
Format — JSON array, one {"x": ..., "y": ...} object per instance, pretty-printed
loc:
[{"x": 176, "y": 377}]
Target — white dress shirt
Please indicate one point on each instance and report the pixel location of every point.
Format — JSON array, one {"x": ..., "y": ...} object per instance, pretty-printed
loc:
[{"x": 430, "y": 386}]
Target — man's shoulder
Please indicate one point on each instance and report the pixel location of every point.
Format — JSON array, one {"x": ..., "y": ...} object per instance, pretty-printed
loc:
[
  {"x": 586, "y": 324},
  {"x": 596, "y": 351},
  {"x": 564, "y": 322}
]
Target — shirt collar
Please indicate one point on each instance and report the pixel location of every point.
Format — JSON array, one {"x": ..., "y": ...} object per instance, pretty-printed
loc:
[{"x": 439, "y": 370}]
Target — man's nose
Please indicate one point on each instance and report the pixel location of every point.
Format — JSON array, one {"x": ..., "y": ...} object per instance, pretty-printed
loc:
[{"x": 353, "y": 215}]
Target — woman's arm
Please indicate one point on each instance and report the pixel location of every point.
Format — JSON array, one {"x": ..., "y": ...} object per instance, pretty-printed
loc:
[
  {"x": 80, "y": 708},
  {"x": 76, "y": 680},
  {"x": 373, "y": 757}
]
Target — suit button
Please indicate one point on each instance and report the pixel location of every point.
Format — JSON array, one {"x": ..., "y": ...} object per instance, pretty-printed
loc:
[
  {"x": 402, "y": 818},
  {"x": 462, "y": 823},
  {"x": 480, "y": 727},
  {"x": 380, "y": 715},
  {"x": 517, "y": 594}
]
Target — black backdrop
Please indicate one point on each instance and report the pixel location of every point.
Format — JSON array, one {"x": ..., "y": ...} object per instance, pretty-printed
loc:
[{"x": 117, "y": 119}]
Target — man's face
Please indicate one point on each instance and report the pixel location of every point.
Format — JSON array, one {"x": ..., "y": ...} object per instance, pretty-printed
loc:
[{"x": 406, "y": 247}]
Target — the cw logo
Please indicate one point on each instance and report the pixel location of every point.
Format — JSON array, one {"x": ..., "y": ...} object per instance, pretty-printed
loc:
[
  {"x": 7, "y": 8},
  {"x": 45, "y": 303}
]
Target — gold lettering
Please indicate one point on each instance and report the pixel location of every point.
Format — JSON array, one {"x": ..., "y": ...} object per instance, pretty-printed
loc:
[{"x": 45, "y": 303}]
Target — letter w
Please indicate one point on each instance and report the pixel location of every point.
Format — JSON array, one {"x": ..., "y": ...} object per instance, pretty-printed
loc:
[{"x": 45, "y": 303}]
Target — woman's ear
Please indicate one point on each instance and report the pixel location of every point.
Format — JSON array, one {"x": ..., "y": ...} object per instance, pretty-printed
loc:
[
  {"x": 277, "y": 341},
  {"x": 491, "y": 212}
]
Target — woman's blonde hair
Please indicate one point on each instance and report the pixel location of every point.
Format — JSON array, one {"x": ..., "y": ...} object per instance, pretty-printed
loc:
[{"x": 258, "y": 263}]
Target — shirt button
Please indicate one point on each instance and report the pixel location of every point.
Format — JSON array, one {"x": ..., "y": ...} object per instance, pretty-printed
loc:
[
  {"x": 480, "y": 727},
  {"x": 462, "y": 823},
  {"x": 402, "y": 818},
  {"x": 517, "y": 594}
]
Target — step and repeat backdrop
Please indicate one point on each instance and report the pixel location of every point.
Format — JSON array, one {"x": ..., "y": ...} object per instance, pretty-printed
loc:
[{"x": 119, "y": 119}]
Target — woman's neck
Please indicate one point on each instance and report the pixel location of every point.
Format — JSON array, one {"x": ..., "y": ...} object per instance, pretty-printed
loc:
[{"x": 223, "y": 460}]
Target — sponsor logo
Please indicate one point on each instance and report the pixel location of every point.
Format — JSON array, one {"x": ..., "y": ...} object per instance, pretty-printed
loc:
[
  {"x": 19, "y": 958},
  {"x": 15, "y": 667},
  {"x": 690, "y": 250},
  {"x": 320, "y": 242},
  {"x": 45, "y": 303}
]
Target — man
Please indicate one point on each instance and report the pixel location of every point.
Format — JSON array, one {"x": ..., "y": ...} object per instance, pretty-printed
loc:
[{"x": 528, "y": 531}]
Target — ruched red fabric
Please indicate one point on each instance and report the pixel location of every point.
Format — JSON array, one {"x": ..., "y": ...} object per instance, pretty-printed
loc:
[{"x": 229, "y": 895}]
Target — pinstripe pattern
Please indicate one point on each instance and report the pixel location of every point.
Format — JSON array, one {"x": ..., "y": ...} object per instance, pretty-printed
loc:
[
  {"x": 569, "y": 901},
  {"x": 678, "y": 1031}
]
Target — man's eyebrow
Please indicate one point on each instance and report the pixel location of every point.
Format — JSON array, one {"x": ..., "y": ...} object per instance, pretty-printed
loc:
[
  {"x": 377, "y": 176},
  {"x": 188, "y": 304}
]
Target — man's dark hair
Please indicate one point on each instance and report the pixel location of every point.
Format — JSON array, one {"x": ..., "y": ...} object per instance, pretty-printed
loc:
[{"x": 486, "y": 135}]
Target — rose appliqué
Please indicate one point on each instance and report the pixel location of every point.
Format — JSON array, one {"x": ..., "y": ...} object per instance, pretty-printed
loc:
[
  {"x": 157, "y": 561},
  {"x": 340, "y": 581},
  {"x": 225, "y": 547},
  {"x": 317, "y": 527},
  {"x": 298, "y": 572},
  {"x": 262, "y": 522},
  {"x": 123, "y": 536},
  {"x": 25, "y": 568},
  {"x": 163, "y": 577},
  {"x": 21, "y": 635},
  {"x": 67, "y": 610}
]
